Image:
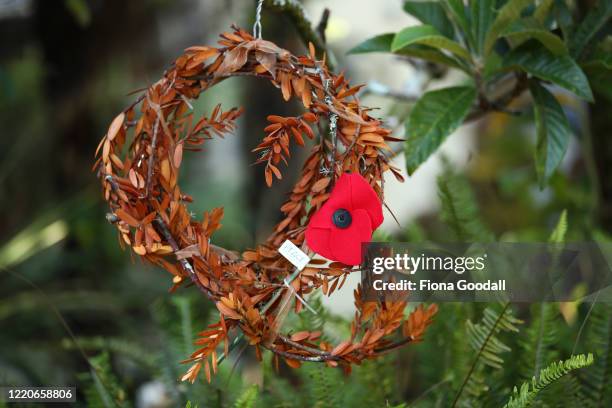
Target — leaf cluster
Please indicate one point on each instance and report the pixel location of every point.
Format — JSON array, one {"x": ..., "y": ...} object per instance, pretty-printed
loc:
[{"x": 535, "y": 46}]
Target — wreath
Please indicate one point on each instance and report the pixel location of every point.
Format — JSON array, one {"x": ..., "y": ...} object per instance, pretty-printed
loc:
[{"x": 138, "y": 163}]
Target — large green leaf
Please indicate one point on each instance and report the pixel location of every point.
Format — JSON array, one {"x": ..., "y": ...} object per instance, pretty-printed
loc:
[
  {"x": 426, "y": 35},
  {"x": 430, "y": 54},
  {"x": 561, "y": 70},
  {"x": 456, "y": 9},
  {"x": 483, "y": 13},
  {"x": 589, "y": 27},
  {"x": 435, "y": 115},
  {"x": 432, "y": 13},
  {"x": 542, "y": 10},
  {"x": 380, "y": 43},
  {"x": 529, "y": 28},
  {"x": 553, "y": 132},
  {"x": 507, "y": 14}
]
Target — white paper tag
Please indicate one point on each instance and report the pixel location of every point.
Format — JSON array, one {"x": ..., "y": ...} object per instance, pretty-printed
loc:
[{"x": 294, "y": 255}]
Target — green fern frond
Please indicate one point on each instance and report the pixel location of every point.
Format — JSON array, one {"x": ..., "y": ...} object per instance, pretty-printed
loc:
[
  {"x": 278, "y": 391},
  {"x": 248, "y": 398},
  {"x": 483, "y": 338},
  {"x": 175, "y": 321},
  {"x": 313, "y": 321},
  {"x": 442, "y": 376},
  {"x": 173, "y": 344},
  {"x": 321, "y": 384},
  {"x": 183, "y": 305},
  {"x": 459, "y": 208},
  {"x": 102, "y": 388},
  {"x": 475, "y": 386},
  {"x": 557, "y": 236},
  {"x": 597, "y": 379},
  {"x": 372, "y": 384},
  {"x": 566, "y": 392},
  {"x": 121, "y": 346},
  {"x": 528, "y": 391},
  {"x": 538, "y": 346},
  {"x": 323, "y": 320}
]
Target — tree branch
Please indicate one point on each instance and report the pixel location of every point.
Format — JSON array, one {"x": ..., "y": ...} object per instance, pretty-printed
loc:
[
  {"x": 499, "y": 104},
  {"x": 296, "y": 13},
  {"x": 313, "y": 359},
  {"x": 322, "y": 26}
]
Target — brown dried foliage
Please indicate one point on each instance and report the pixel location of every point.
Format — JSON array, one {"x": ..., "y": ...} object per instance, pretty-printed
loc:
[{"x": 139, "y": 160}]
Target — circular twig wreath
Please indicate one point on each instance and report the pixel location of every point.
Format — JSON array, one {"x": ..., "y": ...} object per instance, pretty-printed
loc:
[{"x": 139, "y": 160}]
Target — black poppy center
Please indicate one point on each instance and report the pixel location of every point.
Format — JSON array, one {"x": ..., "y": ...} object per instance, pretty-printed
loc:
[{"x": 342, "y": 218}]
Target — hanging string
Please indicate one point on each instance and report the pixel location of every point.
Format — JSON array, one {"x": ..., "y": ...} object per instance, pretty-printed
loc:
[
  {"x": 287, "y": 281},
  {"x": 257, "y": 25}
]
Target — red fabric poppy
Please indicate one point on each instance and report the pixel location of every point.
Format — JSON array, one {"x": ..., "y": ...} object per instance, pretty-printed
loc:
[{"x": 349, "y": 217}]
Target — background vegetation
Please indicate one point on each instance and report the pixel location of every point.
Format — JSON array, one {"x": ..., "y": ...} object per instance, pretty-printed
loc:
[{"x": 534, "y": 79}]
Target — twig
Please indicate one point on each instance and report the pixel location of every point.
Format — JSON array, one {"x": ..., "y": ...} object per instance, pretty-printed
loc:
[
  {"x": 319, "y": 357},
  {"x": 313, "y": 359},
  {"x": 394, "y": 346},
  {"x": 499, "y": 104},
  {"x": 302, "y": 347},
  {"x": 322, "y": 356},
  {"x": 376, "y": 88},
  {"x": 136, "y": 102},
  {"x": 165, "y": 231}
]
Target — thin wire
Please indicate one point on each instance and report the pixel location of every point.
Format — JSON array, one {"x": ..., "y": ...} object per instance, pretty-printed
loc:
[
  {"x": 333, "y": 119},
  {"x": 257, "y": 25},
  {"x": 301, "y": 299}
]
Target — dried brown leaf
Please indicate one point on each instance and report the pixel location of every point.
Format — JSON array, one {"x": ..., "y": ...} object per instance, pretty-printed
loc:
[
  {"x": 233, "y": 61},
  {"x": 178, "y": 155},
  {"x": 320, "y": 185},
  {"x": 115, "y": 126},
  {"x": 227, "y": 312},
  {"x": 267, "y": 60}
]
